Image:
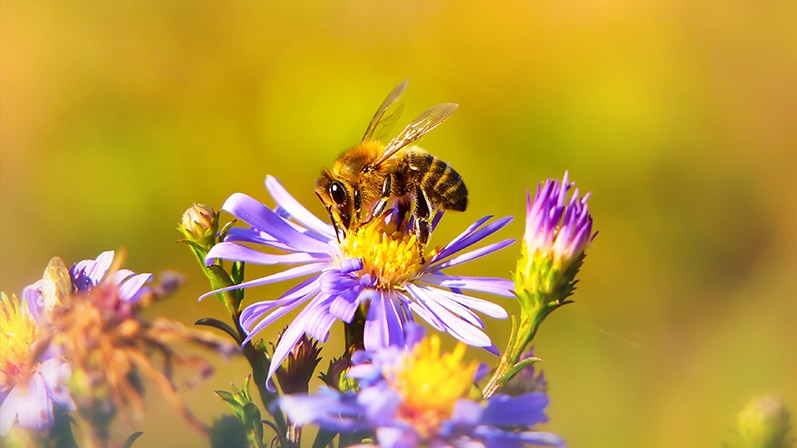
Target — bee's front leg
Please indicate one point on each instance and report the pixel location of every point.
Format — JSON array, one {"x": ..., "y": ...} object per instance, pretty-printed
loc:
[
  {"x": 387, "y": 186},
  {"x": 340, "y": 232},
  {"x": 421, "y": 213}
]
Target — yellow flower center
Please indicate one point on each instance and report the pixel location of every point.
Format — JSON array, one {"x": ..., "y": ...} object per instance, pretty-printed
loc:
[
  {"x": 430, "y": 384},
  {"x": 19, "y": 331},
  {"x": 389, "y": 254}
]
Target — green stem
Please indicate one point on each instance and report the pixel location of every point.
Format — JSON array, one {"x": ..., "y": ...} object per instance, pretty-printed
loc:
[
  {"x": 61, "y": 435},
  {"x": 258, "y": 361},
  {"x": 516, "y": 347},
  {"x": 354, "y": 332}
]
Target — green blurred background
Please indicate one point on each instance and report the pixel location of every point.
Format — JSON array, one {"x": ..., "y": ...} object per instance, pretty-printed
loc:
[{"x": 678, "y": 116}]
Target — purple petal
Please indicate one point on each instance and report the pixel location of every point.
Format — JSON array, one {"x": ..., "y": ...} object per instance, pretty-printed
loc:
[
  {"x": 318, "y": 319},
  {"x": 527, "y": 410},
  {"x": 133, "y": 285},
  {"x": 392, "y": 437},
  {"x": 237, "y": 252},
  {"x": 383, "y": 323},
  {"x": 32, "y": 296},
  {"x": 351, "y": 265},
  {"x": 380, "y": 402},
  {"x": 498, "y": 286},
  {"x": 297, "y": 210},
  {"x": 427, "y": 316},
  {"x": 343, "y": 307},
  {"x": 268, "y": 320},
  {"x": 438, "y": 263},
  {"x": 365, "y": 369},
  {"x": 29, "y": 405},
  {"x": 255, "y": 236},
  {"x": 466, "y": 413},
  {"x": 328, "y": 410},
  {"x": 473, "y": 235},
  {"x": 428, "y": 295},
  {"x": 413, "y": 333},
  {"x": 287, "y": 274},
  {"x": 464, "y": 234},
  {"x": 499, "y": 438},
  {"x": 88, "y": 273},
  {"x": 334, "y": 282},
  {"x": 540, "y": 438},
  {"x": 483, "y": 306},
  {"x": 454, "y": 325},
  {"x": 261, "y": 217},
  {"x": 289, "y": 338},
  {"x": 55, "y": 373},
  {"x": 293, "y": 297}
]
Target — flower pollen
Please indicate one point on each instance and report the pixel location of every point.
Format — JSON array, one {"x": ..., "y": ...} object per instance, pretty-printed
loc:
[
  {"x": 389, "y": 253},
  {"x": 430, "y": 384},
  {"x": 19, "y": 331}
]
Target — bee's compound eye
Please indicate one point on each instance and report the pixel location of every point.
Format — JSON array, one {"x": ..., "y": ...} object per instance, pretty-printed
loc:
[{"x": 337, "y": 192}]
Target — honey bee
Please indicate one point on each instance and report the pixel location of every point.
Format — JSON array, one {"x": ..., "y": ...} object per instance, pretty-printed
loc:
[{"x": 366, "y": 177}]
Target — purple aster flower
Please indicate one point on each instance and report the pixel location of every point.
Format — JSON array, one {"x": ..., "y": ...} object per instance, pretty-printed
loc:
[
  {"x": 378, "y": 266},
  {"x": 418, "y": 397},
  {"x": 83, "y": 276},
  {"x": 88, "y": 274},
  {"x": 30, "y": 384}
]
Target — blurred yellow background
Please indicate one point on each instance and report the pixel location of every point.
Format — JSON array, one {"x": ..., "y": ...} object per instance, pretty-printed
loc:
[{"x": 678, "y": 116}]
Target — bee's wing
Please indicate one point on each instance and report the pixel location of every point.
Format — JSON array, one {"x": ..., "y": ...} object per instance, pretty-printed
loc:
[
  {"x": 386, "y": 115},
  {"x": 426, "y": 121}
]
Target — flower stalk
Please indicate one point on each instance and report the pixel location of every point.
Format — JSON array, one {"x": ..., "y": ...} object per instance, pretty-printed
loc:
[
  {"x": 557, "y": 234},
  {"x": 199, "y": 226}
]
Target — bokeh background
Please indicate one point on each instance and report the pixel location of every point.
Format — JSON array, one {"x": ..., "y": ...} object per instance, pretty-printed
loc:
[{"x": 678, "y": 116}]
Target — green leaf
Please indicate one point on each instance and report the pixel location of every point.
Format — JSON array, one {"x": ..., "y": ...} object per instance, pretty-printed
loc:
[
  {"x": 223, "y": 326},
  {"x": 130, "y": 440}
]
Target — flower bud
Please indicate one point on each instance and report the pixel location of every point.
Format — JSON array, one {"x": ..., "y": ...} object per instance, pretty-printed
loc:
[
  {"x": 557, "y": 234},
  {"x": 295, "y": 372},
  {"x": 200, "y": 224},
  {"x": 249, "y": 425},
  {"x": 764, "y": 423}
]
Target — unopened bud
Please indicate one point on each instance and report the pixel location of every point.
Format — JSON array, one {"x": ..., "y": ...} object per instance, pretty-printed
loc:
[
  {"x": 558, "y": 231},
  {"x": 764, "y": 423},
  {"x": 296, "y": 371},
  {"x": 200, "y": 224}
]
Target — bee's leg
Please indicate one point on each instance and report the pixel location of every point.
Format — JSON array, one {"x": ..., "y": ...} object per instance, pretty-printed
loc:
[
  {"x": 340, "y": 233},
  {"x": 380, "y": 206},
  {"x": 422, "y": 213}
]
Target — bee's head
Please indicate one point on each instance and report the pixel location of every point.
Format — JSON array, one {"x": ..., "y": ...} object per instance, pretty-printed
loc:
[{"x": 341, "y": 199}]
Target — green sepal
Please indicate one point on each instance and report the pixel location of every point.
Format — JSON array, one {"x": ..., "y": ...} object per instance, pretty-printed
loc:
[
  {"x": 226, "y": 228},
  {"x": 226, "y": 396}
]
